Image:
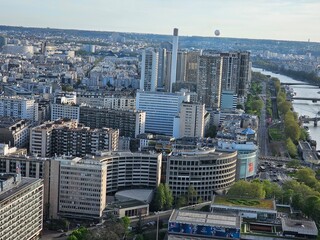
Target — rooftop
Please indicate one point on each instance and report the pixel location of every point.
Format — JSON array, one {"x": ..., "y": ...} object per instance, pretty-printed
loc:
[
  {"x": 25, "y": 182},
  {"x": 267, "y": 204},
  {"x": 204, "y": 218},
  {"x": 304, "y": 227}
]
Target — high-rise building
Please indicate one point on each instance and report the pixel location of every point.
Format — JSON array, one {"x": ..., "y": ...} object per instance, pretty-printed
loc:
[
  {"x": 190, "y": 122},
  {"x": 149, "y": 70},
  {"x": 82, "y": 188},
  {"x": 129, "y": 122},
  {"x": 66, "y": 137},
  {"x": 83, "y": 140},
  {"x": 175, "y": 40},
  {"x": 192, "y": 66},
  {"x": 69, "y": 176},
  {"x": 244, "y": 73},
  {"x": 41, "y": 136},
  {"x": 235, "y": 72},
  {"x": 209, "y": 80},
  {"x": 160, "y": 108},
  {"x": 19, "y": 107},
  {"x": 21, "y": 207}
]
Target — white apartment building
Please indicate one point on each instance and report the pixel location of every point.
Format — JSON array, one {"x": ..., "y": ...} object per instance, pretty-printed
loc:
[
  {"x": 191, "y": 121},
  {"x": 19, "y": 107},
  {"x": 21, "y": 207},
  {"x": 160, "y": 108},
  {"x": 70, "y": 111},
  {"x": 82, "y": 188}
]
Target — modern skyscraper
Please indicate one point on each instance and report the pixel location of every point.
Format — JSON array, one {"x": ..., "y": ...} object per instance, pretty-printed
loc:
[
  {"x": 160, "y": 108},
  {"x": 244, "y": 70},
  {"x": 235, "y": 72},
  {"x": 149, "y": 70},
  {"x": 192, "y": 66},
  {"x": 174, "y": 57},
  {"x": 209, "y": 80}
]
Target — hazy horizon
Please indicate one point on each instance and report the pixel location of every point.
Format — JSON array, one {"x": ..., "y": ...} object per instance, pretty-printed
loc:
[{"x": 290, "y": 20}]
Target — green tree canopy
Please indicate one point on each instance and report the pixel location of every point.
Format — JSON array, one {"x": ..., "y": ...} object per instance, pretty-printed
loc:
[
  {"x": 291, "y": 147},
  {"x": 247, "y": 189}
]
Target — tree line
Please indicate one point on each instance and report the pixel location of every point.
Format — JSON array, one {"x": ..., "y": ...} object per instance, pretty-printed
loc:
[{"x": 303, "y": 193}]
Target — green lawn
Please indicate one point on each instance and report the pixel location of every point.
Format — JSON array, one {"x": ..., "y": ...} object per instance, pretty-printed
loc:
[
  {"x": 276, "y": 134},
  {"x": 241, "y": 202}
]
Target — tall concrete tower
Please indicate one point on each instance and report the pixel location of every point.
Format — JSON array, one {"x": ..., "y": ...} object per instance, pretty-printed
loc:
[
  {"x": 174, "y": 57},
  {"x": 149, "y": 70}
]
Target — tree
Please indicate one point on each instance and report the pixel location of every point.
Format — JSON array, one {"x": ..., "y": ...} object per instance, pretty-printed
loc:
[
  {"x": 284, "y": 107},
  {"x": 247, "y": 189},
  {"x": 181, "y": 201},
  {"x": 271, "y": 190},
  {"x": 168, "y": 197},
  {"x": 160, "y": 198},
  {"x": 295, "y": 163},
  {"x": 72, "y": 237},
  {"x": 67, "y": 88},
  {"x": 139, "y": 237},
  {"x": 192, "y": 194},
  {"x": 310, "y": 204},
  {"x": 291, "y": 147},
  {"x": 125, "y": 222},
  {"x": 292, "y": 130},
  {"x": 239, "y": 106},
  {"x": 79, "y": 234},
  {"x": 307, "y": 176},
  {"x": 303, "y": 134},
  {"x": 212, "y": 131},
  {"x": 257, "y": 105}
]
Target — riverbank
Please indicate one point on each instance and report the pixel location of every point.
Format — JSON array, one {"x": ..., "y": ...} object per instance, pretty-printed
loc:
[
  {"x": 307, "y": 77},
  {"x": 302, "y": 107}
]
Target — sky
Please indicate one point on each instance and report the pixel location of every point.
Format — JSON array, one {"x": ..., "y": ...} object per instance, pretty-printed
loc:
[{"x": 259, "y": 19}]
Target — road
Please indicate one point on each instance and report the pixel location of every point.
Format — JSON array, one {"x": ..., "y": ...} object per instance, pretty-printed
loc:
[{"x": 263, "y": 130}]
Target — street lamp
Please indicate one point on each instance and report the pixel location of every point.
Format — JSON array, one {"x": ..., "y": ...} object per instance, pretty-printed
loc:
[{"x": 157, "y": 236}]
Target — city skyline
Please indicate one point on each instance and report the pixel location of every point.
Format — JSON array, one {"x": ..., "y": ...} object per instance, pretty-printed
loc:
[{"x": 262, "y": 19}]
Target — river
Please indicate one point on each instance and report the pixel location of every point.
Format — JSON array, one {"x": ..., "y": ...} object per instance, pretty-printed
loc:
[{"x": 302, "y": 107}]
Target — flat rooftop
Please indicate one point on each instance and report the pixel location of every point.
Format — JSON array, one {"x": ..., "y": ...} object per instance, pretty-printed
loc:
[
  {"x": 303, "y": 227},
  {"x": 258, "y": 204},
  {"x": 204, "y": 218},
  {"x": 25, "y": 182}
]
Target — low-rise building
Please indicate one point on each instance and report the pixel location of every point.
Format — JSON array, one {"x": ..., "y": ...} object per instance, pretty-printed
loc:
[
  {"x": 194, "y": 225},
  {"x": 260, "y": 209}
]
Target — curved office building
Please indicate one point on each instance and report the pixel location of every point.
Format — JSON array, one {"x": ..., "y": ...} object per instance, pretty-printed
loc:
[
  {"x": 207, "y": 170},
  {"x": 126, "y": 170}
]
